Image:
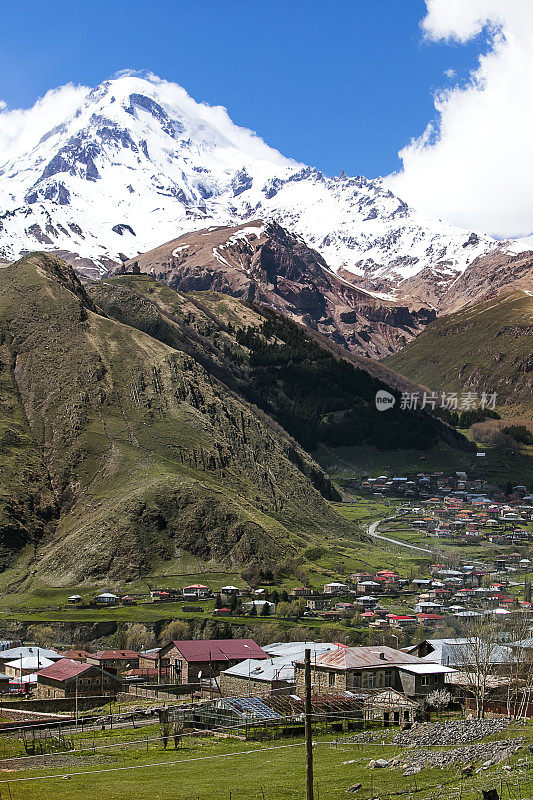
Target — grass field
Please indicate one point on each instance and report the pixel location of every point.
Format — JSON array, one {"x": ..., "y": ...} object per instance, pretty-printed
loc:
[
  {"x": 219, "y": 769},
  {"x": 344, "y": 463}
]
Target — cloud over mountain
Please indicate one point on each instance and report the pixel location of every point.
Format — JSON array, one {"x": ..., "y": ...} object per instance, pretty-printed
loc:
[{"x": 472, "y": 165}]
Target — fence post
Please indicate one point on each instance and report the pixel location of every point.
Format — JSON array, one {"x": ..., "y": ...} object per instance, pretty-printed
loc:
[{"x": 308, "y": 728}]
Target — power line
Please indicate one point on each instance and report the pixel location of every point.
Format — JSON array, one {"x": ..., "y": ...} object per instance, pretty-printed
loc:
[
  {"x": 157, "y": 764},
  {"x": 219, "y": 729}
]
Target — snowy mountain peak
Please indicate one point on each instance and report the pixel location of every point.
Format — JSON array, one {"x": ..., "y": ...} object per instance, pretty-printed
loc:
[{"x": 108, "y": 172}]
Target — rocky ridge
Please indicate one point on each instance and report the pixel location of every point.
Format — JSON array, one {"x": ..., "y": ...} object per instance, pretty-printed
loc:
[{"x": 262, "y": 262}]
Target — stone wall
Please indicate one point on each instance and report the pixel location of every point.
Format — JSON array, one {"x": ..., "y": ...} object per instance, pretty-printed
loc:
[
  {"x": 165, "y": 691},
  {"x": 57, "y": 704},
  {"x": 322, "y": 679}
]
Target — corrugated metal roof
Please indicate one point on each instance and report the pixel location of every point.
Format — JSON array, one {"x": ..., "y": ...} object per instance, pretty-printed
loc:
[
  {"x": 17, "y": 652},
  {"x": 116, "y": 655},
  {"x": 65, "y": 670},
  {"x": 425, "y": 669},
  {"x": 297, "y": 649},
  {"x": 30, "y": 662},
  {"x": 219, "y": 649},
  {"x": 364, "y": 657},
  {"x": 457, "y": 652},
  {"x": 268, "y": 670}
]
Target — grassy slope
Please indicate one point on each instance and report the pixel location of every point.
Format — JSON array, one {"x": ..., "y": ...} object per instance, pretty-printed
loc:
[
  {"x": 342, "y": 551},
  {"x": 315, "y": 392},
  {"x": 211, "y": 769},
  {"x": 486, "y": 347},
  {"x": 344, "y": 463},
  {"x": 148, "y": 456}
]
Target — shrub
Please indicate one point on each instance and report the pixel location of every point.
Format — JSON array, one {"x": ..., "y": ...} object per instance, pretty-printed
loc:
[{"x": 519, "y": 433}]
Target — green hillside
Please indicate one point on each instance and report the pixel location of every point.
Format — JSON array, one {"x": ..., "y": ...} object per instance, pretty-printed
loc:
[
  {"x": 486, "y": 347},
  {"x": 119, "y": 451},
  {"x": 316, "y": 393},
  {"x": 143, "y": 430}
]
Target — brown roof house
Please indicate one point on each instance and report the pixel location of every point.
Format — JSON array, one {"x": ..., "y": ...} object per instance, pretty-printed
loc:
[
  {"x": 377, "y": 667},
  {"x": 63, "y": 678},
  {"x": 115, "y": 660}
]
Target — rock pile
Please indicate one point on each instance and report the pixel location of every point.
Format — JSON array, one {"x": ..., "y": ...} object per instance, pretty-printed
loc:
[
  {"x": 488, "y": 753},
  {"x": 449, "y": 733}
]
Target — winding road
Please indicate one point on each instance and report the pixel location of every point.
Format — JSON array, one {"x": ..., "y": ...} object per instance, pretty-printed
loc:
[{"x": 371, "y": 530}]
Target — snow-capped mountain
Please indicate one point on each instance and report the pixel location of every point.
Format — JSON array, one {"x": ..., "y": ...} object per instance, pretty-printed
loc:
[{"x": 136, "y": 162}]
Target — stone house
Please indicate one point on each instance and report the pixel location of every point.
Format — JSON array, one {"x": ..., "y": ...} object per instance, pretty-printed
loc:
[
  {"x": 196, "y": 591},
  {"x": 115, "y": 660},
  {"x": 378, "y": 667},
  {"x": 190, "y": 660},
  {"x": 256, "y": 677},
  {"x": 61, "y": 679},
  {"x": 301, "y": 591}
]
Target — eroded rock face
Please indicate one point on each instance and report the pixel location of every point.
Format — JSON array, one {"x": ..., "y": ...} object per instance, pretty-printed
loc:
[
  {"x": 487, "y": 276},
  {"x": 265, "y": 263}
]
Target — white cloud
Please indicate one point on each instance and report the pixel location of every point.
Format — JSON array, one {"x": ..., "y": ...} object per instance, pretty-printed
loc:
[
  {"x": 473, "y": 165},
  {"x": 22, "y": 128},
  {"x": 175, "y": 95}
]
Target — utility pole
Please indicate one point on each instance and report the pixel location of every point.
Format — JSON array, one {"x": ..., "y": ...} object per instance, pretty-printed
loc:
[{"x": 308, "y": 728}]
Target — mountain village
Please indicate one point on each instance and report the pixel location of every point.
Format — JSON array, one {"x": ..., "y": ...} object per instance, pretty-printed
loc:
[{"x": 266, "y": 438}]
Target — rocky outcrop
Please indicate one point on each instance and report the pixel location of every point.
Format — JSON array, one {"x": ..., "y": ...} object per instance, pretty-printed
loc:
[
  {"x": 271, "y": 266},
  {"x": 487, "y": 276}
]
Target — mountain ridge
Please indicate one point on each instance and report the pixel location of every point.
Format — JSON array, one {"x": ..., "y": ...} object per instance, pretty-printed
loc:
[
  {"x": 263, "y": 262},
  {"x": 138, "y": 162},
  {"x": 481, "y": 347},
  {"x": 136, "y": 453}
]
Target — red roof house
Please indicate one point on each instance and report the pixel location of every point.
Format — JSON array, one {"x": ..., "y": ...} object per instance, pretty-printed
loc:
[
  {"x": 183, "y": 661},
  {"x": 66, "y": 677}
]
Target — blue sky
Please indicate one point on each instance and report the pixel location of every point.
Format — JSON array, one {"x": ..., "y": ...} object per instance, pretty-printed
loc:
[{"x": 339, "y": 85}]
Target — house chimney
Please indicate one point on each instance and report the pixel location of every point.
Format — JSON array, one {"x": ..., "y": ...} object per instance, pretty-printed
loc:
[{"x": 382, "y": 656}]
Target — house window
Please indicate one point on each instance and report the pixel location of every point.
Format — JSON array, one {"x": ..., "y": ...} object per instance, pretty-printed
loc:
[
  {"x": 332, "y": 679},
  {"x": 424, "y": 680},
  {"x": 371, "y": 680},
  {"x": 357, "y": 679},
  {"x": 388, "y": 678}
]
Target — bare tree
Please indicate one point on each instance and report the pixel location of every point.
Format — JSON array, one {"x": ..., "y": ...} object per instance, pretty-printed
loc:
[
  {"x": 519, "y": 669},
  {"x": 139, "y": 637},
  {"x": 477, "y": 659}
]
